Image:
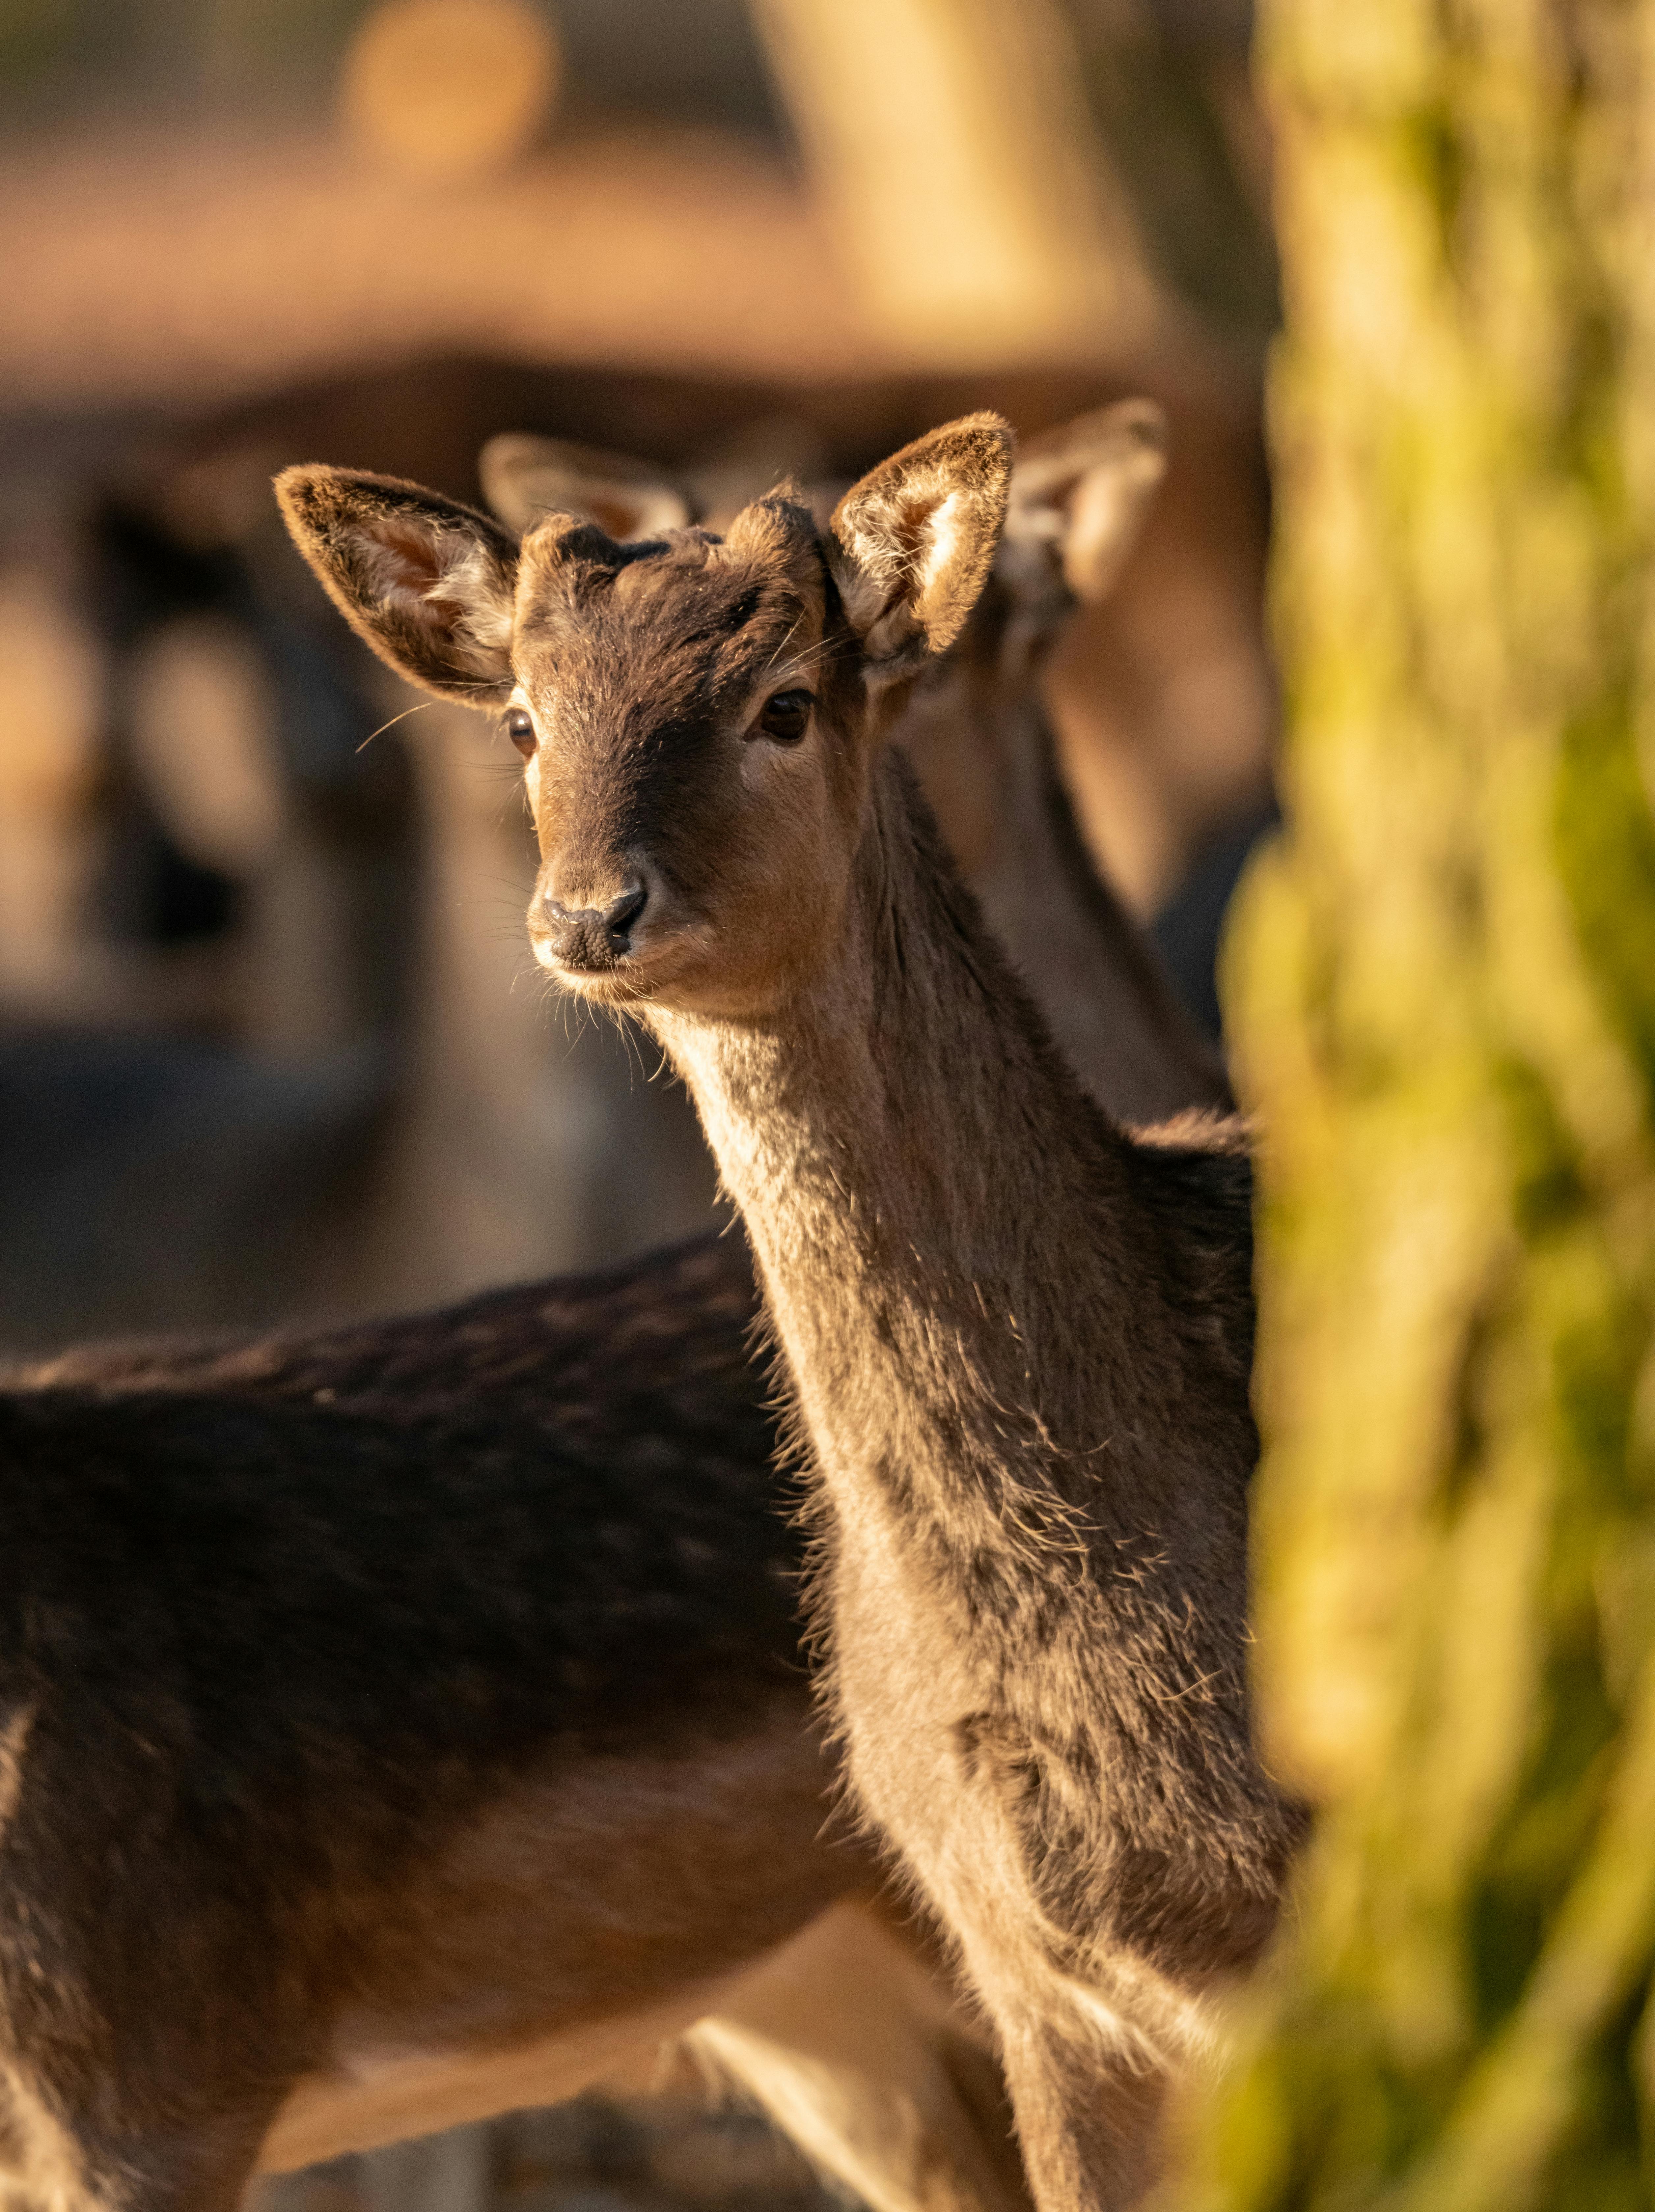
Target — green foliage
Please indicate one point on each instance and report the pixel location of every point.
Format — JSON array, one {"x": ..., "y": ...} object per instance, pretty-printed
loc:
[{"x": 1444, "y": 983}]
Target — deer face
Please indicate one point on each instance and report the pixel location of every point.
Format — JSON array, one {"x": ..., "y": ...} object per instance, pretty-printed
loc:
[
  {"x": 697, "y": 715},
  {"x": 692, "y": 733}
]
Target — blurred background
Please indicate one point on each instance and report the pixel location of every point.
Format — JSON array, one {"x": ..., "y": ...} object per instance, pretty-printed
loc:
[
  {"x": 271, "y": 1044},
  {"x": 271, "y": 1047}
]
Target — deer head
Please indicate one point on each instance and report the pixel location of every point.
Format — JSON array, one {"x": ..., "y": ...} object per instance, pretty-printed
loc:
[
  {"x": 1079, "y": 494},
  {"x": 698, "y": 715}
]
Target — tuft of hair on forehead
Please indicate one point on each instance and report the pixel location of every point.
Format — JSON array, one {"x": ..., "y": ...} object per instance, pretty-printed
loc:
[
  {"x": 557, "y": 539},
  {"x": 779, "y": 531},
  {"x": 770, "y": 548},
  {"x": 677, "y": 626}
]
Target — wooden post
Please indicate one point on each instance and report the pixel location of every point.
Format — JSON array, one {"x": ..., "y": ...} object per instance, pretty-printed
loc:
[{"x": 960, "y": 176}]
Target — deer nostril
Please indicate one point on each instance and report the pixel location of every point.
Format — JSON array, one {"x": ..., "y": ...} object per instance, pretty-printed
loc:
[
  {"x": 591, "y": 936},
  {"x": 620, "y": 914}
]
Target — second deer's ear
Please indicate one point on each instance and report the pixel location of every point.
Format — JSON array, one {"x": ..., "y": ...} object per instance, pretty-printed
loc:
[
  {"x": 912, "y": 543},
  {"x": 1079, "y": 499},
  {"x": 525, "y": 477},
  {"x": 425, "y": 581}
]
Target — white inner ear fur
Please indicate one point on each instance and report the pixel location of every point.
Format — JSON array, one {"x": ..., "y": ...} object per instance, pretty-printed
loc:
[
  {"x": 454, "y": 585},
  {"x": 939, "y": 542},
  {"x": 897, "y": 567},
  {"x": 471, "y": 580}
]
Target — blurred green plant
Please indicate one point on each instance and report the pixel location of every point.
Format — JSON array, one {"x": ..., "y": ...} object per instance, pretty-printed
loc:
[{"x": 1443, "y": 983}]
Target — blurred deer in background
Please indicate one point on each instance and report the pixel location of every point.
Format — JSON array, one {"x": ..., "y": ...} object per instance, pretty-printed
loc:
[
  {"x": 980, "y": 1284},
  {"x": 384, "y": 1769}
]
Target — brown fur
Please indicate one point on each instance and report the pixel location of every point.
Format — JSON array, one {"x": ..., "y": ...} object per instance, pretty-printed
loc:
[
  {"x": 331, "y": 1674},
  {"x": 1020, "y": 1341},
  {"x": 543, "y": 1489},
  {"x": 450, "y": 1870}
]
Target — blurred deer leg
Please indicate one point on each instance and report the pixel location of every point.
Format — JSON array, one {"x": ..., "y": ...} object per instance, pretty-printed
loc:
[
  {"x": 1091, "y": 2124},
  {"x": 850, "y": 2039},
  {"x": 119, "y": 2160}
]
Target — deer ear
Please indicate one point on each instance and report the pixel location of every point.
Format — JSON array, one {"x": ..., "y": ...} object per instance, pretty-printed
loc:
[
  {"x": 912, "y": 543},
  {"x": 523, "y": 476},
  {"x": 427, "y": 583},
  {"x": 1079, "y": 498}
]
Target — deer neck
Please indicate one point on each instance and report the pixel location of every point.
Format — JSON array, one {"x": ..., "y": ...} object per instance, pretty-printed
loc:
[
  {"x": 941, "y": 1219},
  {"x": 1111, "y": 1012},
  {"x": 979, "y": 739}
]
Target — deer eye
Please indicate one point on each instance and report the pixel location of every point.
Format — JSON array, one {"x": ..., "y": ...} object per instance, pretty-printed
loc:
[
  {"x": 785, "y": 716},
  {"x": 520, "y": 728}
]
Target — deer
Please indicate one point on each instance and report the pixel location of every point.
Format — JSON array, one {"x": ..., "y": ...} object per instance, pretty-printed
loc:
[
  {"x": 1017, "y": 1336},
  {"x": 340, "y": 1800},
  {"x": 974, "y": 727}
]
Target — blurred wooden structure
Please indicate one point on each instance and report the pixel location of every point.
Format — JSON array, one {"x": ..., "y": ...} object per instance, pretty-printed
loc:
[{"x": 970, "y": 201}]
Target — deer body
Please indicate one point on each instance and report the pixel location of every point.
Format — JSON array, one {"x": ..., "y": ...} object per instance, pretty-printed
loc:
[
  {"x": 517, "y": 1765},
  {"x": 1018, "y": 1338},
  {"x": 397, "y": 1725},
  {"x": 1033, "y": 1473}
]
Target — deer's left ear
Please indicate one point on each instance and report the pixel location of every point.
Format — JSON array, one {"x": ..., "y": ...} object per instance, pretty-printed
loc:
[
  {"x": 425, "y": 581},
  {"x": 912, "y": 543}
]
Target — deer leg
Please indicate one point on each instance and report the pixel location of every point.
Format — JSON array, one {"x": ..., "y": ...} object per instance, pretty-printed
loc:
[
  {"x": 851, "y": 2039},
  {"x": 1089, "y": 2063},
  {"x": 52, "y": 2161},
  {"x": 1089, "y": 2118}
]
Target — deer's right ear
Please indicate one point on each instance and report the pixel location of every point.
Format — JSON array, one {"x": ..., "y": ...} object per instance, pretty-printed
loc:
[
  {"x": 525, "y": 477},
  {"x": 912, "y": 543},
  {"x": 425, "y": 581}
]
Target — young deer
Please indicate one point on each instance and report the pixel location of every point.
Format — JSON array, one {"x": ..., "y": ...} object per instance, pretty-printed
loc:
[
  {"x": 974, "y": 728},
  {"x": 1019, "y": 1338},
  {"x": 811, "y": 2036}
]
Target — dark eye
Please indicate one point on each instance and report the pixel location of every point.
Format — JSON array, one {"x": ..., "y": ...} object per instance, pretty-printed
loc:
[
  {"x": 785, "y": 716},
  {"x": 520, "y": 728}
]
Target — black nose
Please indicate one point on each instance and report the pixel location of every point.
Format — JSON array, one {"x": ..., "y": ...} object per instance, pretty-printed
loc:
[{"x": 594, "y": 937}]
